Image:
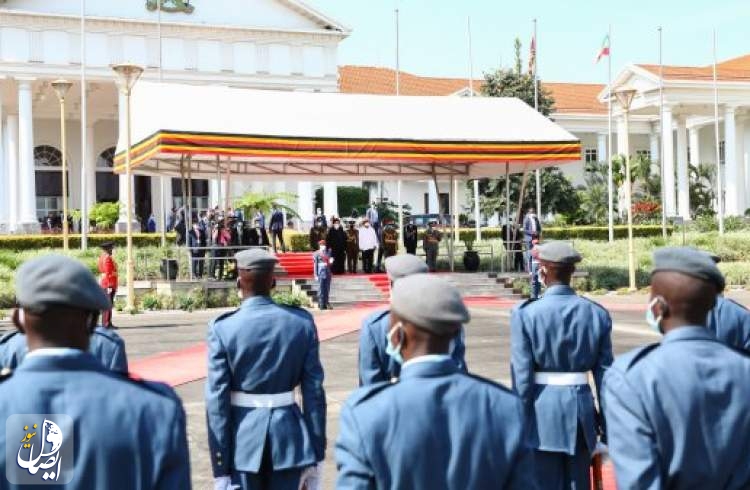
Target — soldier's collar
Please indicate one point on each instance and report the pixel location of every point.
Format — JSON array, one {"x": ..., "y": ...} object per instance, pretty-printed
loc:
[
  {"x": 559, "y": 289},
  {"x": 257, "y": 300},
  {"x": 688, "y": 332}
]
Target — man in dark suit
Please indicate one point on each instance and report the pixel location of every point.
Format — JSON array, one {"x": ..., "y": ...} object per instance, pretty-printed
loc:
[
  {"x": 411, "y": 233},
  {"x": 277, "y": 228},
  {"x": 257, "y": 236},
  {"x": 197, "y": 243},
  {"x": 532, "y": 229}
]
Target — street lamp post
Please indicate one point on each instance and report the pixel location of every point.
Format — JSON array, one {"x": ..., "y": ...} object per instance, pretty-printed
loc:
[
  {"x": 127, "y": 75},
  {"x": 61, "y": 88},
  {"x": 625, "y": 98}
]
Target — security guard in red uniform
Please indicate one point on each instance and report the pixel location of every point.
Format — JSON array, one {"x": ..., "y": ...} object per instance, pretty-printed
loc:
[{"x": 108, "y": 270}]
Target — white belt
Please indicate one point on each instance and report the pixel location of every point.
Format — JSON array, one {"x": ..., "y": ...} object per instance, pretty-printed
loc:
[
  {"x": 251, "y": 400},
  {"x": 561, "y": 379}
]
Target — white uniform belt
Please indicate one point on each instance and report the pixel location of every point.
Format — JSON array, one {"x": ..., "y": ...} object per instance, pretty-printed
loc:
[
  {"x": 561, "y": 379},
  {"x": 251, "y": 400}
]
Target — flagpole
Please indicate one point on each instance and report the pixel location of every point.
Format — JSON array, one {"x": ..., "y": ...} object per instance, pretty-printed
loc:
[
  {"x": 536, "y": 107},
  {"x": 610, "y": 184},
  {"x": 398, "y": 92},
  {"x": 661, "y": 143},
  {"x": 477, "y": 227},
  {"x": 398, "y": 68},
  {"x": 84, "y": 167},
  {"x": 162, "y": 179},
  {"x": 719, "y": 196}
]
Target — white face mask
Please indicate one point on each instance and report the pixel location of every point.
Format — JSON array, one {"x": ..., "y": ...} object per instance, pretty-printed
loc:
[
  {"x": 367, "y": 225},
  {"x": 322, "y": 248},
  {"x": 336, "y": 226}
]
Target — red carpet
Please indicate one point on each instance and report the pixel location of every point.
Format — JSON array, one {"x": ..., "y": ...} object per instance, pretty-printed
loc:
[
  {"x": 296, "y": 264},
  {"x": 381, "y": 282}
]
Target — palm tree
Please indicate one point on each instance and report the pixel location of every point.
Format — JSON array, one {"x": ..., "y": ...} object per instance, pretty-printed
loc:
[{"x": 265, "y": 201}]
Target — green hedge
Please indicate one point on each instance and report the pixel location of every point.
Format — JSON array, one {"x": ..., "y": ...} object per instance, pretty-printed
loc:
[
  {"x": 31, "y": 242},
  {"x": 601, "y": 232}
]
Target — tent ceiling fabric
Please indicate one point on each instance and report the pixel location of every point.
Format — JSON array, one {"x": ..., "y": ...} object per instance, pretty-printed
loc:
[{"x": 314, "y": 136}]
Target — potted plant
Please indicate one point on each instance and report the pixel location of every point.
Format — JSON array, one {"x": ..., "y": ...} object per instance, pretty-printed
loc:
[
  {"x": 471, "y": 256},
  {"x": 169, "y": 265}
]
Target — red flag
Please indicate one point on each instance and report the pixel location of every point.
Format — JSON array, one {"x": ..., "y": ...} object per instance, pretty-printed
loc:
[{"x": 604, "y": 51}]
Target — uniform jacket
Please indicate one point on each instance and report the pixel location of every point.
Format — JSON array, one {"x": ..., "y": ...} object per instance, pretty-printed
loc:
[
  {"x": 561, "y": 332},
  {"x": 130, "y": 435},
  {"x": 411, "y": 233},
  {"x": 197, "y": 240},
  {"x": 431, "y": 238},
  {"x": 352, "y": 242},
  {"x": 108, "y": 270},
  {"x": 322, "y": 265},
  {"x": 677, "y": 414},
  {"x": 372, "y": 216},
  {"x": 264, "y": 348},
  {"x": 529, "y": 223},
  {"x": 418, "y": 434},
  {"x": 375, "y": 365},
  {"x": 390, "y": 240},
  {"x": 336, "y": 241},
  {"x": 730, "y": 323},
  {"x": 105, "y": 345}
]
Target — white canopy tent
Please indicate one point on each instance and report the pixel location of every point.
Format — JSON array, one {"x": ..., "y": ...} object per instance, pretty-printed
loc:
[{"x": 265, "y": 135}]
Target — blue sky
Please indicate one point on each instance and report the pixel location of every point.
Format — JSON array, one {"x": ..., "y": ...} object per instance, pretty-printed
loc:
[{"x": 570, "y": 32}]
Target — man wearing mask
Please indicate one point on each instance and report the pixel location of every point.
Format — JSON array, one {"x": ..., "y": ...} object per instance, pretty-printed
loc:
[
  {"x": 375, "y": 364},
  {"x": 435, "y": 427},
  {"x": 322, "y": 262},
  {"x": 556, "y": 341},
  {"x": 320, "y": 217},
  {"x": 258, "y": 437},
  {"x": 411, "y": 238},
  {"x": 373, "y": 217},
  {"x": 431, "y": 245},
  {"x": 336, "y": 241},
  {"x": 352, "y": 248},
  {"x": 368, "y": 241},
  {"x": 197, "y": 243},
  {"x": 729, "y": 321},
  {"x": 108, "y": 271},
  {"x": 58, "y": 306},
  {"x": 532, "y": 229},
  {"x": 277, "y": 228},
  {"x": 676, "y": 410}
]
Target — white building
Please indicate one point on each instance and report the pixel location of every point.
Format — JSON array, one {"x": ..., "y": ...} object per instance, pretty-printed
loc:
[
  {"x": 688, "y": 101},
  {"x": 267, "y": 44}
]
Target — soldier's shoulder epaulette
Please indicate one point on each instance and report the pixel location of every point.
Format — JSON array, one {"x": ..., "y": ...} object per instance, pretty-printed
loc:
[
  {"x": 224, "y": 316},
  {"x": 161, "y": 389},
  {"x": 630, "y": 359},
  {"x": 297, "y": 311},
  {"x": 527, "y": 303},
  {"x": 489, "y": 382},
  {"x": 364, "y": 393},
  {"x": 5, "y": 338}
]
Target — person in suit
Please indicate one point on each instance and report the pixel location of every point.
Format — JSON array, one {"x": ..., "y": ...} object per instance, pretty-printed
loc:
[
  {"x": 108, "y": 279},
  {"x": 257, "y": 236},
  {"x": 59, "y": 302},
  {"x": 416, "y": 431},
  {"x": 336, "y": 241},
  {"x": 676, "y": 410},
  {"x": 277, "y": 228},
  {"x": 260, "y": 217},
  {"x": 556, "y": 341},
  {"x": 323, "y": 272},
  {"x": 105, "y": 345},
  {"x": 728, "y": 320},
  {"x": 411, "y": 237},
  {"x": 375, "y": 365},
  {"x": 532, "y": 229},
  {"x": 352, "y": 248},
  {"x": 257, "y": 435},
  {"x": 373, "y": 217},
  {"x": 197, "y": 243}
]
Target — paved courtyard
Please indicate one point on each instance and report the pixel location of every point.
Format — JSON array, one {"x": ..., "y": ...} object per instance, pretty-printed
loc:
[{"x": 488, "y": 354}]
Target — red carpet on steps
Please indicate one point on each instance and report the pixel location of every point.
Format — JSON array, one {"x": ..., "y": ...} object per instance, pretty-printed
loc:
[{"x": 296, "y": 264}]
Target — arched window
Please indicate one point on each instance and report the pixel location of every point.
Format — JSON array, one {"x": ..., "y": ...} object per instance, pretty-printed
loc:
[
  {"x": 107, "y": 183},
  {"x": 48, "y": 180}
]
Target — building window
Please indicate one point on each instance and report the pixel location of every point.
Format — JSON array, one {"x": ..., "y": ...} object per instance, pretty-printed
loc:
[
  {"x": 107, "y": 182},
  {"x": 443, "y": 202},
  {"x": 722, "y": 153},
  {"x": 590, "y": 155},
  {"x": 643, "y": 154},
  {"x": 48, "y": 181},
  {"x": 199, "y": 194}
]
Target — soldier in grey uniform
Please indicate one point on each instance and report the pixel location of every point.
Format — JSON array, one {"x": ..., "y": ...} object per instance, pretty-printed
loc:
[
  {"x": 259, "y": 438},
  {"x": 676, "y": 410},
  {"x": 435, "y": 427},
  {"x": 128, "y": 434},
  {"x": 556, "y": 341},
  {"x": 728, "y": 320}
]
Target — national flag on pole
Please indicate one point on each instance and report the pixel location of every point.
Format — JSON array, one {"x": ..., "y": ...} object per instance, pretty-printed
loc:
[
  {"x": 604, "y": 51},
  {"x": 532, "y": 56}
]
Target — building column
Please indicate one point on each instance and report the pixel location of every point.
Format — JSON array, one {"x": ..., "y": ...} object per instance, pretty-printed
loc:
[
  {"x": 4, "y": 205},
  {"x": 11, "y": 154},
  {"x": 330, "y": 199},
  {"x": 683, "y": 186},
  {"x": 121, "y": 225},
  {"x": 89, "y": 179},
  {"x": 731, "y": 169},
  {"x": 601, "y": 147},
  {"x": 742, "y": 201},
  {"x": 433, "y": 201},
  {"x": 305, "y": 198},
  {"x": 653, "y": 145},
  {"x": 214, "y": 190},
  {"x": 695, "y": 148},
  {"x": 667, "y": 141},
  {"x": 621, "y": 136},
  {"x": 27, "y": 219}
]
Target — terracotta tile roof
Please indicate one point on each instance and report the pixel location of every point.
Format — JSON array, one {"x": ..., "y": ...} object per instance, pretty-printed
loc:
[
  {"x": 569, "y": 97},
  {"x": 734, "y": 69}
]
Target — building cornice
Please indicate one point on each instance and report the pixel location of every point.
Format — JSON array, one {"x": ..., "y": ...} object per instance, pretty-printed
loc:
[{"x": 114, "y": 26}]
